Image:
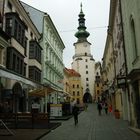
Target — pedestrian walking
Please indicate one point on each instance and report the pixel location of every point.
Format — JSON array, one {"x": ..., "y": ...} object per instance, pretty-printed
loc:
[
  {"x": 75, "y": 112},
  {"x": 86, "y": 106},
  {"x": 110, "y": 109},
  {"x": 99, "y": 107},
  {"x": 106, "y": 107}
]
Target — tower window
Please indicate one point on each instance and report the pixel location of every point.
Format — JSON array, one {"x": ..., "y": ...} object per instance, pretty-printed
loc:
[
  {"x": 85, "y": 54},
  {"x": 86, "y": 72},
  {"x": 86, "y": 66},
  {"x": 86, "y": 60},
  {"x": 86, "y": 79}
]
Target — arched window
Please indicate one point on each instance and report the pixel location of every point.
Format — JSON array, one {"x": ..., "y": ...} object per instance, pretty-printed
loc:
[{"x": 133, "y": 36}]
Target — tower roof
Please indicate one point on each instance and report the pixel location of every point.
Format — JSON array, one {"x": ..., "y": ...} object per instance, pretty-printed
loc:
[{"x": 81, "y": 34}]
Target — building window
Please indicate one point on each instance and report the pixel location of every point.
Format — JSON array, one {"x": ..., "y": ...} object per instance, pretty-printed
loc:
[
  {"x": 85, "y": 54},
  {"x": 86, "y": 72},
  {"x": 73, "y": 86},
  {"x": 78, "y": 93},
  {"x": 24, "y": 69},
  {"x": 77, "y": 86},
  {"x": 1, "y": 57},
  {"x": 31, "y": 34},
  {"x": 8, "y": 26},
  {"x": 31, "y": 73},
  {"x": 35, "y": 51},
  {"x": 86, "y": 79},
  {"x": 25, "y": 46},
  {"x": 15, "y": 27},
  {"x": 73, "y": 93},
  {"x": 134, "y": 41},
  {"x": 86, "y": 66},
  {"x": 19, "y": 33},
  {"x": 86, "y": 60},
  {"x": 15, "y": 61},
  {"x": 34, "y": 73},
  {"x": 97, "y": 85},
  {"x": 18, "y": 63}
]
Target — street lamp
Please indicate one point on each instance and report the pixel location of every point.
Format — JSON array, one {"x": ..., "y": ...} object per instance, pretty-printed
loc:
[{"x": 121, "y": 81}]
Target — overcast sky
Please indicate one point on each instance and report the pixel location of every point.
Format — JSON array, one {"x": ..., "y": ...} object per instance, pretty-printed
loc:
[{"x": 64, "y": 14}]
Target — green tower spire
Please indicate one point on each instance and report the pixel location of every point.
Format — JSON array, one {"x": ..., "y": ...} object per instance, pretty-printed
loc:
[{"x": 81, "y": 34}]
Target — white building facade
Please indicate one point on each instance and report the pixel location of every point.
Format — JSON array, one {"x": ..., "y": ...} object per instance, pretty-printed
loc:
[
  {"x": 52, "y": 45},
  {"x": 52, "y": 59}
]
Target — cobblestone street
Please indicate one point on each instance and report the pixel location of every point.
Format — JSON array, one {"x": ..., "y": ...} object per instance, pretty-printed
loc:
[{"x": 93, "y": 127}]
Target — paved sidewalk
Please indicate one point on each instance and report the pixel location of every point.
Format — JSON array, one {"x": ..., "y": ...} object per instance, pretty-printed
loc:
[
  {"x": 93, "y": 127},
  {"x": 26, "y": 133}
]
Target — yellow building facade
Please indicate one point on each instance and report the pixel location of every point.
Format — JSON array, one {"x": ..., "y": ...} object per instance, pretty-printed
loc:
[{"x": 72, "y": 85}]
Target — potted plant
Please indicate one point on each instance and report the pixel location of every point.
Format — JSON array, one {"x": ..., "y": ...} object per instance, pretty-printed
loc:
[{"x": 117, "y": 114}]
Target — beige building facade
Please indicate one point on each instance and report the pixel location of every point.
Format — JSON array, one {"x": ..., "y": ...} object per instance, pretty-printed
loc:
[
  {"x": 98, "y": 82},
  {"x": 20, "y": 58},
  {"x": 73, "y": 86}
]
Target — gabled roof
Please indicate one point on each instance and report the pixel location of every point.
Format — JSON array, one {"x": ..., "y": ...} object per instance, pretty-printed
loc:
[{"x": 72, "y": 72}]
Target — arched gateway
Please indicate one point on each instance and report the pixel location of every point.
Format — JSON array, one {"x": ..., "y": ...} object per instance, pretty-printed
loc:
[{"x": 87, "y": 98}]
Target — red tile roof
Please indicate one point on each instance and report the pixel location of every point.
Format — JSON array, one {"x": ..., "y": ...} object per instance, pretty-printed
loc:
[{"x": 72, "y": 72}]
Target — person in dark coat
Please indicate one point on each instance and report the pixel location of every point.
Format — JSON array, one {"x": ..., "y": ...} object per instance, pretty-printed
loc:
[
  {"x": 99, "y": 107},
  {"x": 75, "y": 112},
  {"x": 106, "y": 108}
]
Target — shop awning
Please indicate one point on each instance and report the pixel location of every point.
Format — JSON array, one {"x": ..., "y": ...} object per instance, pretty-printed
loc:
[
  {"x": 46, "y": 90},
  {"x": 11, "y": 75},
  {"x": 41, "y": 92},
  {"x": 65, "y": 93}
]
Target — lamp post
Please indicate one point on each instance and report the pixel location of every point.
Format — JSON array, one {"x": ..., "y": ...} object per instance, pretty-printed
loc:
[{"x": 121, "y": 81}]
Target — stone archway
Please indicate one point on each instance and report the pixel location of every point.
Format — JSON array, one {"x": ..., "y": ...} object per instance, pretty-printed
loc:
[
  {"x": 18, "y": 98},
  {"x": 87, "y": 98}
]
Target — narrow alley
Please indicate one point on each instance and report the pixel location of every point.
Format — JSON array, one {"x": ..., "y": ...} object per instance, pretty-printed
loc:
[{"x": 93, "y": 127}]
